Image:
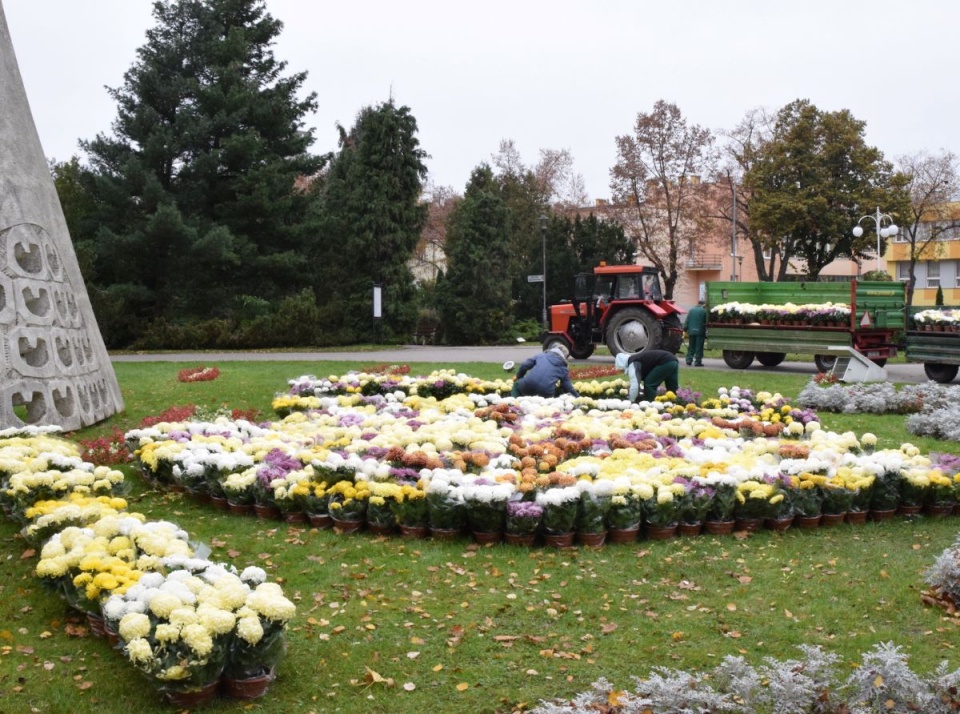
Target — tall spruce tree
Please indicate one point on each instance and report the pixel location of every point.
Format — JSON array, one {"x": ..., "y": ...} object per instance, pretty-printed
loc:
[
  {"x": 196, "y": 193},
  {"x": 372, "y": 216},
  {"x": 475, "y": 303}
]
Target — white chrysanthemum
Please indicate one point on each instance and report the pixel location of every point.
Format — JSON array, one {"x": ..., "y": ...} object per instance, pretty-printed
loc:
[
  {"x": 139, "y": 651},
  {"x": 134, "y": 625}
]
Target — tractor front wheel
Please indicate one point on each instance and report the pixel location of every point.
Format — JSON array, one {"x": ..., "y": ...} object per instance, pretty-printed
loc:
[
  {"x": 581, "y": 353},
  {"x": 736, "y": 359}
]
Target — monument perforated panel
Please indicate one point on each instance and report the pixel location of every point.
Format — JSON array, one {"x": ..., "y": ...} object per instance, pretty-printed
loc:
[{"x": 54, "y": 368}]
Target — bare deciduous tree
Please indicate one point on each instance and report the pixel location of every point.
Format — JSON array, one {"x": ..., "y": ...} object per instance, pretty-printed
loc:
[
  {"x": 932, "y": 182},
  {"x": 655, "y": 186}
]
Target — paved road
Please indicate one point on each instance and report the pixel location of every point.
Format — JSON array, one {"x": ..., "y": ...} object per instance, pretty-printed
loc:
[{"x": 904, "y": 373}]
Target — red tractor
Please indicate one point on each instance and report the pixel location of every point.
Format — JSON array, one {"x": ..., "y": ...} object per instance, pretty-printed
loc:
[{"x": 620, "y": 305}]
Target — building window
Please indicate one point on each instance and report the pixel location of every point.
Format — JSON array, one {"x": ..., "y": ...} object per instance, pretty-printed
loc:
[
  {"x": 956, "y": 273},
  {"x": 933, "y": 274},
  {"x": 903, "y": 271}
]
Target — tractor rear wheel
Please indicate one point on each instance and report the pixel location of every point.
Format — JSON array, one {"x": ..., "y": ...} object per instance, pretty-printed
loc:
[
  {"x": 942, "y": 373},
  {"x": 633, "y": 330},
  {"x": 770, "y": 359},
  {"x": 736, "y": 359}
]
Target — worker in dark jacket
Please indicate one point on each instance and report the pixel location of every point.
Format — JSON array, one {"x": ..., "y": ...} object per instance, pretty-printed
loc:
[
  {"x": 696, "y": 327},
  {"x": 650, "y": 368},
  {"x": 539, "y": 375}
]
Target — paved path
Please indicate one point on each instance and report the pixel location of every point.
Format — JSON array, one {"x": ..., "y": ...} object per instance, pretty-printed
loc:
[{"x": 908, "y": 373}]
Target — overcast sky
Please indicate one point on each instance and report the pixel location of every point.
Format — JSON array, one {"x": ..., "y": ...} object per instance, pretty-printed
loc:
[{"x": 562, "y": 74}]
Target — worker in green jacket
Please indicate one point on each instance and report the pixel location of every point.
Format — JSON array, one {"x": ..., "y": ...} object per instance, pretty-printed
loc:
[{"x": 696, "y": 328}]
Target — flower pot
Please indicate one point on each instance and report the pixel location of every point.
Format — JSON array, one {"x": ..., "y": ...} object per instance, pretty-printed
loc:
[
  {"x": 691, "y": 529},
  {"x": 623, "y": 535},
  {"x": 484, "y": 537},
  {"x": 347, "y": 526},
  {"x": 856, "y": 517},
  {"x": 193, "y": 698},
  {"x": 751, "y": 525},
  {"x": 247, "y": 688},
  {"x": 808, "y": 522},
  {"x": 831, "y": 519},
  {"x": 882, "y": 514},
  {"x": 266, "y": 511},
  {"x": 661, "y": 532},
  {"x": 414, "y": 531},
  {"x": 778, "y": 524},
  {"x": 938, "y": 510},
  {"x": 591, "y": 539},
  {"x": 320, "y": 520},
  {"x": 558, "y": 540},
  {"x": 719, "y": 527},
  {"x": 522, "y": 539},
  {"x": 381, "y": 529},
  {"x": 295, "y": 517},
  {"x": 243, "y": 509},
  {"x": 97, "y": 628},
  {"x": 445, "y": 533},
  {"x": 907, "y": 509},
  {"x": 220, "y": 503}
]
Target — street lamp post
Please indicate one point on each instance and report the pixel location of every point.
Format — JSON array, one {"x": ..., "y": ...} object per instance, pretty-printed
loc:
[
  {"x": 887, "y": 231},
  {"x": 543, "y": 241}
]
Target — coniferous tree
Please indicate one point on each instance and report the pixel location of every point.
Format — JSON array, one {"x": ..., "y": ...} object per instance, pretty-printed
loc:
[
  {"x": 474, "y": 296},
  {"x": 372, "y": 216},
  {"x": 196, "y": 195}
]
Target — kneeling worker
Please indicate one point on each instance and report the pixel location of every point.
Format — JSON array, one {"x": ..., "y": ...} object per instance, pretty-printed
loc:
[
  {"x": 651, "y": 368},
  {"x": 538, "y": 376}
]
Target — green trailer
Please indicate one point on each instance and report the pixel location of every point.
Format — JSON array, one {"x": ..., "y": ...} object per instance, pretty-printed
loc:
[{"x": 767, "y": 321}]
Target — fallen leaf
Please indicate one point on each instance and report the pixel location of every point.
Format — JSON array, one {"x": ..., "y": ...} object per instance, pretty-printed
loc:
[
  {"x": 437, "y": 667},
  {"x": 84, "y": 685},
  {"x": 413, "y": 655},
  {"x": 732, "y": 606},
  {"x": 462, "y": 687},
  {"x": 409, "y": 686},
  {"x": 608, "y": 628},
  {"x": 788, "y": 614},
  {"x": 28, "y": 553}
]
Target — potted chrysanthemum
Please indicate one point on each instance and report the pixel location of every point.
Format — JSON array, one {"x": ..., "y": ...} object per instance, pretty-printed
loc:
[
  {"x": 661, "y": 511},
  {"x": 446, "y": 507},
  {"x": 523, "y": 521},
  {"x": 559, "y": 505},
  {"x": 411, "y": 510},
  {"x": 592, "y": 510},
  {"x": 259, "y": 639}
]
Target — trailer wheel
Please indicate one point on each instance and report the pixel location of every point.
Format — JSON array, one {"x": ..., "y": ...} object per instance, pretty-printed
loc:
[
  {"x": 942, "y": 373},
  {"x": 633, "y": 330},
  {"x": 824, "y": 362},
  {"x": 737, "y": 360},
  {"x": 770, "y": 359}
]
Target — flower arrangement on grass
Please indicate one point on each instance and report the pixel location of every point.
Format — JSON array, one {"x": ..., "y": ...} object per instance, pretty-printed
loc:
[
  {"x": 523, "y": 517},
  {"x": 198, "y": 374}
]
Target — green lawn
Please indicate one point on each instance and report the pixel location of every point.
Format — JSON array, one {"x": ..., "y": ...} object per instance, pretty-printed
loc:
[{"x": 456, "y": 627}]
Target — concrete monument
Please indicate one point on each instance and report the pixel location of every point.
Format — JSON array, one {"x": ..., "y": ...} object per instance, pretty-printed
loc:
[{"x": 54, "y": 367}]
